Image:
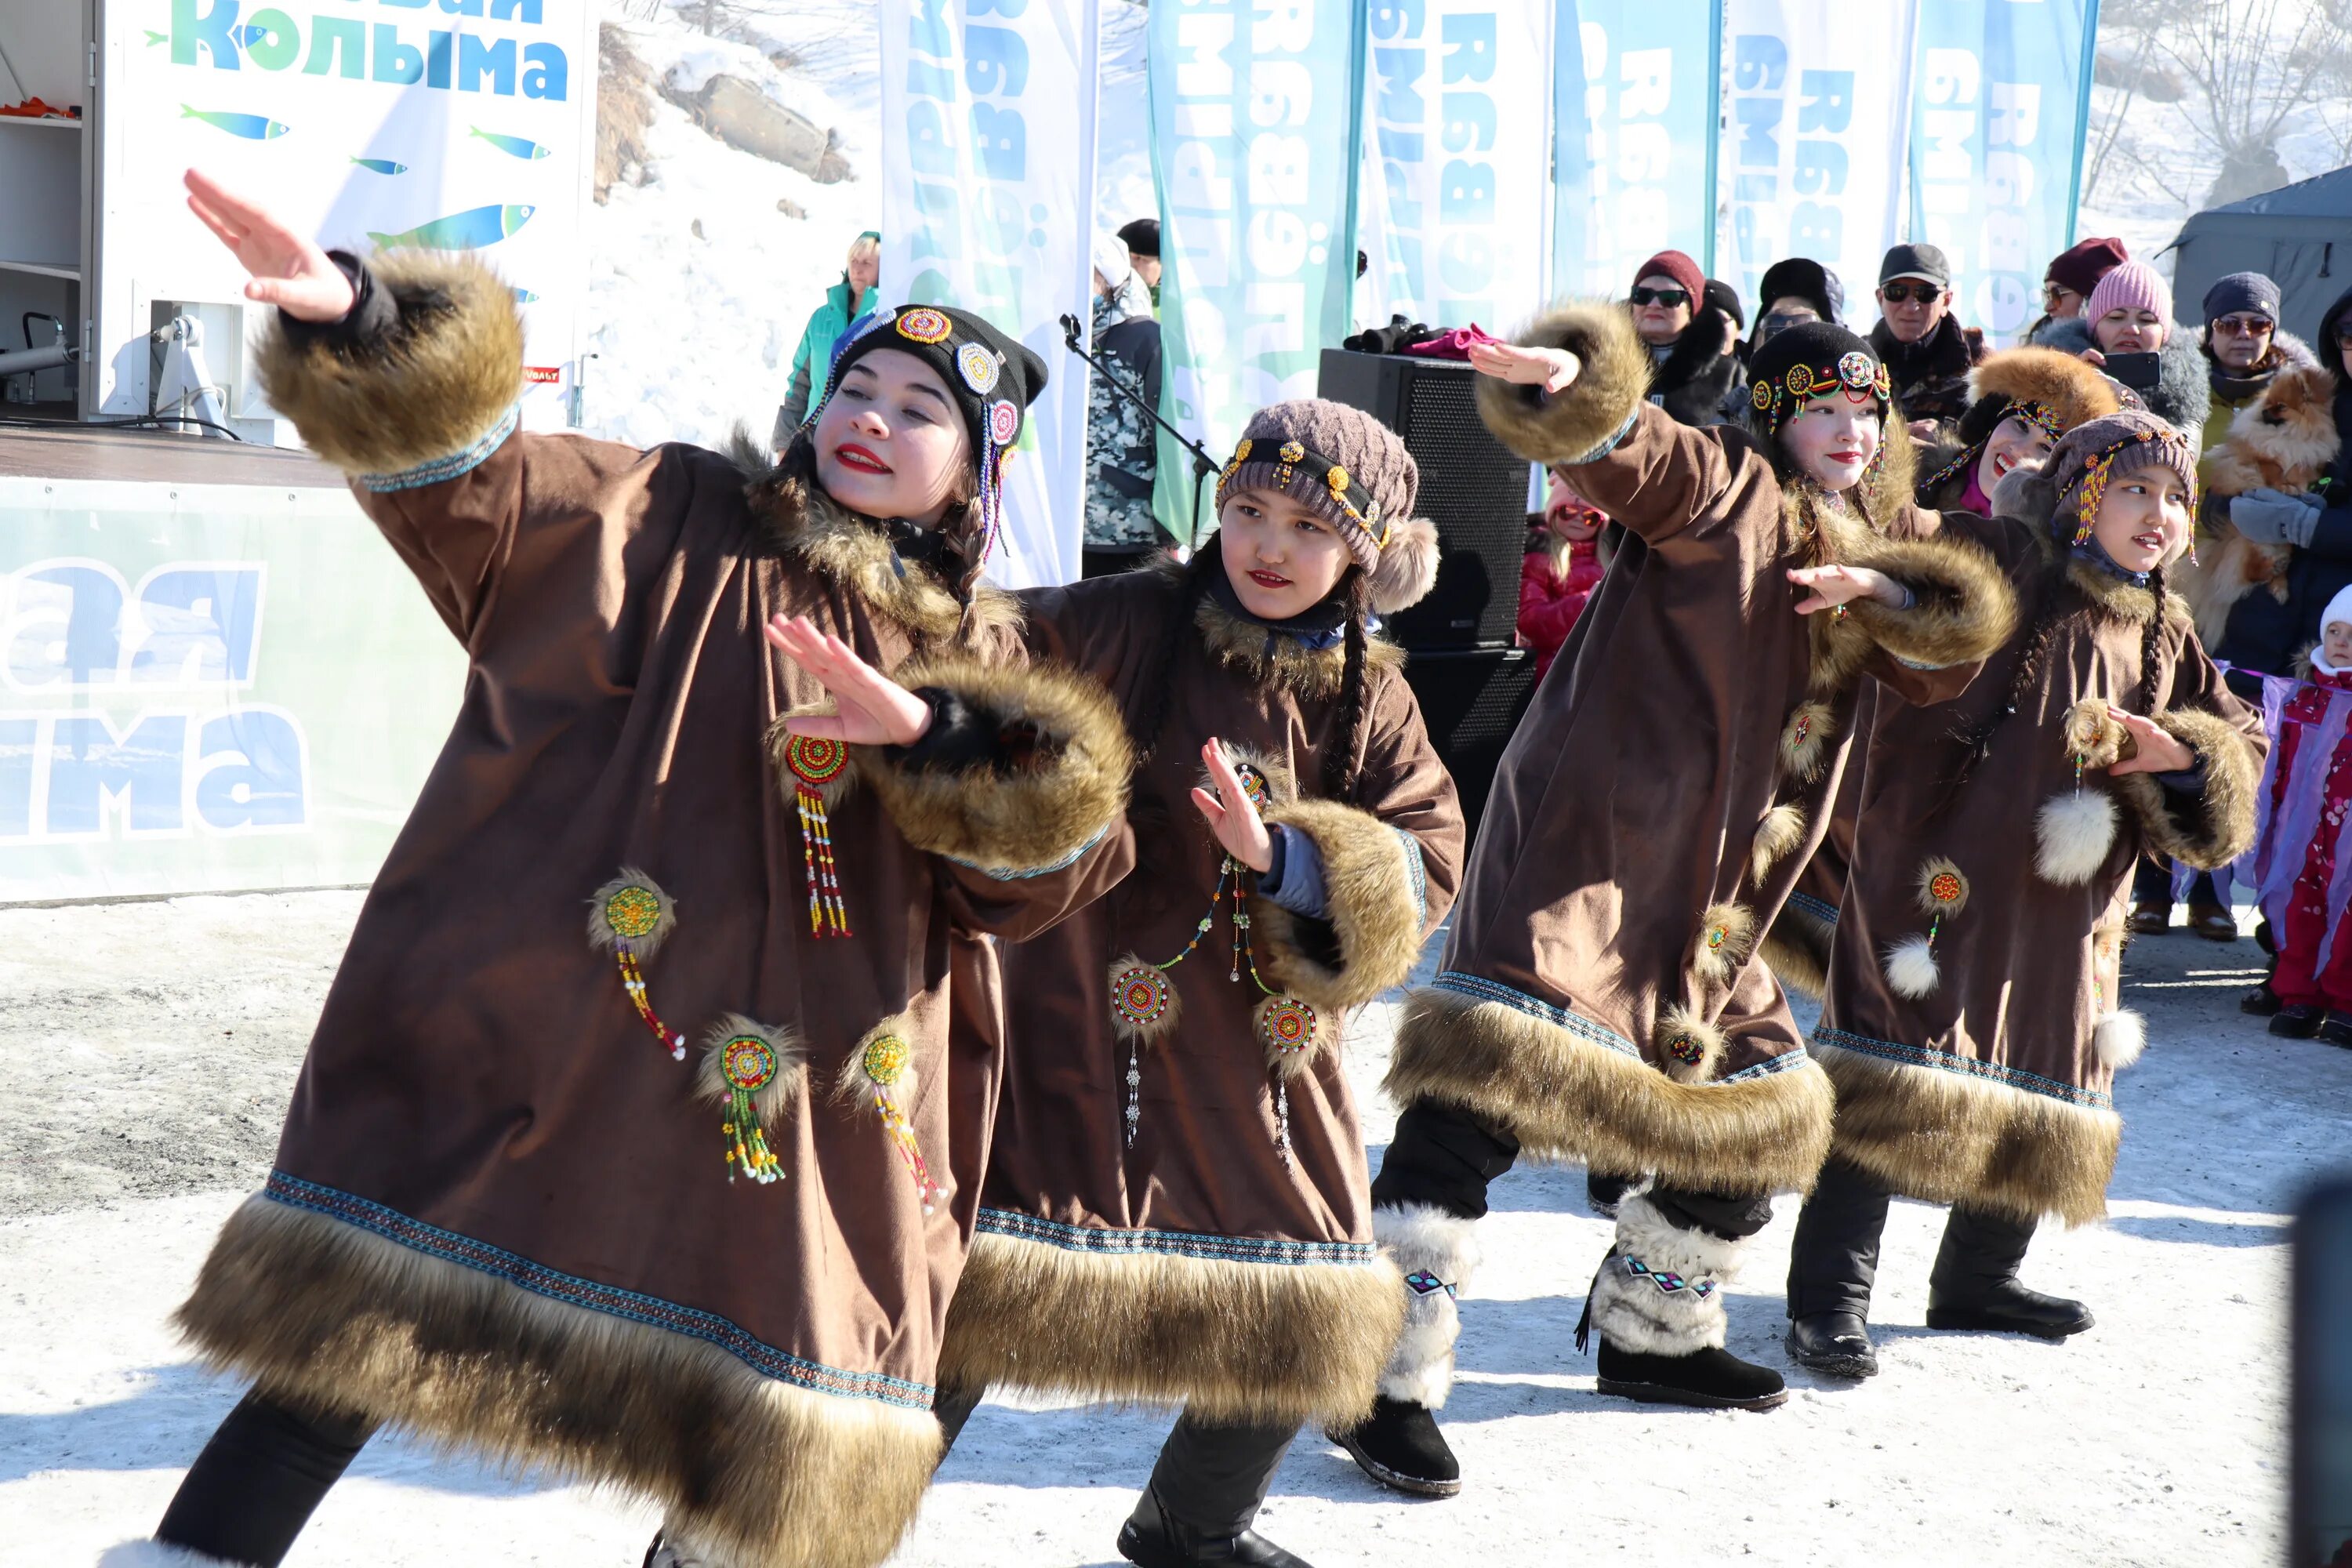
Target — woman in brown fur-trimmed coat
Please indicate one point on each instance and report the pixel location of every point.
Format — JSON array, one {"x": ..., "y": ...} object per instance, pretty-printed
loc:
[
  {"x": 1176, "y": 1208},
  {"x": 1599, "y": 1000},
  {"x": 674, "y": 1202},
  {"x": 2023, "y": 401},
  {"x": 1973, "y": 1026}
]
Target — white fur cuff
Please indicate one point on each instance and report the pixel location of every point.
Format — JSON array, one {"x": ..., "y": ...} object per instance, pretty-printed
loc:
[
  {"x": 1436, "y": 1252},
  {"x": 1660, "y": 1291}
]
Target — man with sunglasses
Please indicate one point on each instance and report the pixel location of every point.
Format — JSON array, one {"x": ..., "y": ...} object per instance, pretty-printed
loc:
[
  {"x": 1925, "y": 349},
  {"x": 1695, "y": 370},
  {"x": 2243, "y": 347}
]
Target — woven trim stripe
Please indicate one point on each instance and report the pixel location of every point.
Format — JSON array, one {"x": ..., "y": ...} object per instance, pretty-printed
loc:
[
  {"x": 448, "y": 468},
  {"x": 1787, "y": 1061},
  {"x": 1009, "y": 874},
  {"x": 1820, "y": 909},
  {"x": 1967, "y": 1067},
  {"x": 522, "y": 1272},
  {"x": 1479, "y": 988},
  {"x": 1420, "y": 876},
  {"x": 1105, "y": 1241},
  {"x": 1608, "y": 443}
]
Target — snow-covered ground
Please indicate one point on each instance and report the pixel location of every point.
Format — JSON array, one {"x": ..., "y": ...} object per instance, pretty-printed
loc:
[{"x": 153, "y": 1044}]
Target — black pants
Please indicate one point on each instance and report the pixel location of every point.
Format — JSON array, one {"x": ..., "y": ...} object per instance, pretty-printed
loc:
[
  {"x": 1213, "y": 1478},
  {"x": 2152, "y": 884},
  {"x": 1446, "y": 1157},
  {"x": 253, "y": 1488},
  {"x": 1833, "y": 1259}
]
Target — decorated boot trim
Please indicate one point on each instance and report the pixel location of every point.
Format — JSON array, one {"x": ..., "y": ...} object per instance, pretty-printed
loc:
[
  {"x": 630, "y": 917},
  {"x": 755, "y": 1073}
]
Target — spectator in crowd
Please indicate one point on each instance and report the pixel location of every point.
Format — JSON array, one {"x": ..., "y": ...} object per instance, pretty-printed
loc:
[
  {"x": 845, "y": 303},
  {"x": 1563, "y": 566},
  {"x": 1796, "y": 289},
  {"x": 2073, "y": 273},
  {"x": 2243, "y": 347},
  {"x": 2309, "y": 996},
  {"x": 1122, "y": 443},
  {"x": 1690, "y": 340},
  {"x": 1926, "y": 352},
  {"x": 1725, "y": 299},
  {"x": 2130, "y": 313},
  {"x": 1141, "y": 239}
]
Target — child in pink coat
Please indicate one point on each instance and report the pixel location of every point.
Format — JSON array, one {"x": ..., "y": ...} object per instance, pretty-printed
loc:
[
  {"x": 2314, "y": 979},
  {"x": 1562, "y": 568}
]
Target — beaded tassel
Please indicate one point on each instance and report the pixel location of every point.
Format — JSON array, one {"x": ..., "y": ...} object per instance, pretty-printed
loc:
[
  {"x": 881, "y": 1071},
  {"x": 814, "y": 765},
  {"x": 1134, "y": 1091},
  {"x": 630, "y": 917},
  {"x": 753, "y": 1074},
  {"x": 749, "y": 1065}
]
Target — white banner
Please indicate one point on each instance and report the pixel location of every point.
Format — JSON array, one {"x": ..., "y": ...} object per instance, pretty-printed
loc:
[
  {"x": 1815, "y": 126},
  {"x": 1455, "y": 213},
  {"x": 988, "y": 174}
]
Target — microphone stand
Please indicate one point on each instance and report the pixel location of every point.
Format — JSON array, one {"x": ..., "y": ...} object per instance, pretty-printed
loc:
[{"x": 1203, "y": 465}]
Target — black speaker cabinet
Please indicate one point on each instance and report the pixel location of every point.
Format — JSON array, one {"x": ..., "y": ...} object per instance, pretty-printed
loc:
[
  {"x": 1472, "y": 487},
  {"x": 1472, "y": 699}
]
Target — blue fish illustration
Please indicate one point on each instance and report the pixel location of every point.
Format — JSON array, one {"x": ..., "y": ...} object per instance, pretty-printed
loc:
[
  {"x": 252, "y": 127},
  {"x": 248, "y": 35},
  {"x": 525, "y": 297},
  {"x": 467, "y": 230},
  {"x": 154, "y": 37},
  {"x": 381, "y": 165},
  {"x": 513, "y": 146}
]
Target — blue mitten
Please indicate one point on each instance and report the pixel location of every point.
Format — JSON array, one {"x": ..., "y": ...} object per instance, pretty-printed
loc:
[{"x": 2273, "y": 517}]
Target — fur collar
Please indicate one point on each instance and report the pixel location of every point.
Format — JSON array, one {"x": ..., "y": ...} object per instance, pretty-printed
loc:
[
  {"x": 851, "y": 551},
  {"x": 1270, "y": 658}
]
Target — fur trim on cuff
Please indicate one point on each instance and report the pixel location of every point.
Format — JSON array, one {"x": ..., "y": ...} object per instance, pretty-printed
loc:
[
  {"x": 1057, "y": 782},
  {"x": 1782, "y": 829},
  {"x": 1408, "y": 566},
  {"x": 2222, "y": 820},
  {"x": 1571, "y": 1098},
  {"x": 1966, "y": 606},
  {"x": 311, "y": 1308},
  {"x": 2119, "y": 1039},
  {"x": 153, "y": 1553},
  {"x": 1659, "y": 1292},
  {"x": 1727, "y": 935},
  {"x": 1437, "y": 1253},
  {"x": 1237, "y": 1344},
  {"x": 1950, "y": 1138},
  {"x": 1612, "y": 378},
  {"x": 445, "y": 375},
  {"x": 1372, "y": 932}
]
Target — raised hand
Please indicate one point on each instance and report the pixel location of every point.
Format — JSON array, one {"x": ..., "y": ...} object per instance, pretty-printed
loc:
[
  {"x": 874, "y": 709},
  {"x": 1554, "y": 370},
  {"x": 288, "y": 271},
  {"x": 2153, "y": 748},
  {"x": 1234, "y": 819},
  {"x": 1830, "y": 587}
]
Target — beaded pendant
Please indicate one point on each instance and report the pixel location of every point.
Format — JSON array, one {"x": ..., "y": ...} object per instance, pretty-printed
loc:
[
  {"x": 1941, "y": 892},
  {"x": 630, "y": 917},
  {"x": 819, "y": 767},
  {"x": 880, "y": 1072},
  {"x": 752, "y": 1073}
]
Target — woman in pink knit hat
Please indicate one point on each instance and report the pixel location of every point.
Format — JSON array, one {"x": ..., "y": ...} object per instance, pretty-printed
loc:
[{"x": 2130, "y": 312}]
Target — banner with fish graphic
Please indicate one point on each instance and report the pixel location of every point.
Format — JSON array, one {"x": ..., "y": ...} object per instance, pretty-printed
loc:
[
  {"x": 988, "y": 179},
  {"x": 467, "y": 127}
]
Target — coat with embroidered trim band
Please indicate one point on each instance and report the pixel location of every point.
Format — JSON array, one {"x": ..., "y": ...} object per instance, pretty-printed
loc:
[{"x": 505, "y": 1214}]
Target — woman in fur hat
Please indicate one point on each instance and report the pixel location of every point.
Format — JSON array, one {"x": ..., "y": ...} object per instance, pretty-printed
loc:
[
  {"x": 673, "y": 1202},
  {"x": 1972, "y": 1026},
  {"x": 1597, "y": 1001},
  {"x": 2022, "y": 401},
  {"x": 1177, "y": 1207}
]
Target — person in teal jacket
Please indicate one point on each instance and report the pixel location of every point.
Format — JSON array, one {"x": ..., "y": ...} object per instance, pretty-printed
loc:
[{"x": 845, "y": 303}]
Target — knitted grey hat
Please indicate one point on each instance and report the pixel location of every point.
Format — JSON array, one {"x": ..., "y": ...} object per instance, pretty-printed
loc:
[
  {"x": 1352, "y": 471},
  {"x": 2096, "y": 454}
]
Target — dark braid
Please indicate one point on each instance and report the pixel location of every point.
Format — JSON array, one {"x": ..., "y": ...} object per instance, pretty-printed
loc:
[
  {"x": 2060, "y": 603},
  {"x": 1189, "y": 588},
  {"x": 1339, "y": 761},
  {"x": 2151, "y": 645}
]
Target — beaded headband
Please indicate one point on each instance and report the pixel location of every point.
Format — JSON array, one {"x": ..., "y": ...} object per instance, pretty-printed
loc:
[
  {"x": 1854, "y": 371},
  {"x": 1345, "y": 494},
  {"x": 2041, "y": 415}
]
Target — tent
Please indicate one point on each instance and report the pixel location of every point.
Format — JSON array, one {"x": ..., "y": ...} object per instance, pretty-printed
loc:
[{"x": 2300, "y": 236}]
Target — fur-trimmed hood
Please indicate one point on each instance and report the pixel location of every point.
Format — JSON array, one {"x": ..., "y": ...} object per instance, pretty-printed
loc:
[{"x": 1272, "y": 655}]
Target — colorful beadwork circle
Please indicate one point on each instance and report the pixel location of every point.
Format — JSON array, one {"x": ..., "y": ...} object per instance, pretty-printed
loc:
[
  {"x": 1286, "y": 1024},
  {"x": 749, "y": 1063},
  {"x": 1944, "y": 886},
  {"x": 978, "y": 368},
  {"x": 1717, "y": 936},
  {"x": 1685, "y": 1048},
  {"x": 1140, "y": 995},
  {"x": 925, "y": 326},
  {"x": 1760, "y": 394},
  {"x": 885, "y": 1061},
  {"x": 1255, "y": 784},
  {"x": 1855, "y": 369},
  {"x": 1292, "y": 452},
  {"x": 634, "y": 911},
  {"x": 816, "y": 759},
  {"x": 1004, "y": 421},
  {"x": 1800, "y": 380}
]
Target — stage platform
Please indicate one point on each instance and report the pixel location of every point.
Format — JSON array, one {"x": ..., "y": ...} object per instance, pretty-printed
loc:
[{"x": 73, "y": 451}]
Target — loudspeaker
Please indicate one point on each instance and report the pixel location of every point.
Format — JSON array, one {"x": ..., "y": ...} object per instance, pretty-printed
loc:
[
  {"x": 1472, "y": 700},
  {"x": 1472, "y": 487}
]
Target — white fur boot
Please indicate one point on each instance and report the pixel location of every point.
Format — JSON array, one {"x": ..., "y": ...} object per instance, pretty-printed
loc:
[{"x": 1437, "y": 1253}]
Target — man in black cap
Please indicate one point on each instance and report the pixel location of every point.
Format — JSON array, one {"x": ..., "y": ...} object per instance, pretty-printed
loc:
[
  {"x": 1141, "y": 239},
  {"x": 1926, "y": 352}
]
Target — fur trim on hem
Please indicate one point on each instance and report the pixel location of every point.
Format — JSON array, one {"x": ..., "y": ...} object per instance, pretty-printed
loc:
[
  {"x": 1798, "y": 949},
  {"x": 1035, "y": 817},
  {"x": 1437, "y": 1253},
  {"x": 1945, "y": 1137},
  {"x": 2221, "y": 825},
  {"x": 439, "y": 380},
  {"x": 316, "y": 1311},
  {"x": 1372, "y": 913},
  {"x": 1672, "y": 1303},
  {"x": 153, "y": 1554},
  {"x": 1233, "y": 1342},
  {"x": 1612, "y": 378},
  {"x": 1576, "y": 1101}
]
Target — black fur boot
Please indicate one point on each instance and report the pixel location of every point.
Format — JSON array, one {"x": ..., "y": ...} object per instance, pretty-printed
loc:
[{"x": 1399, "y": 1445}]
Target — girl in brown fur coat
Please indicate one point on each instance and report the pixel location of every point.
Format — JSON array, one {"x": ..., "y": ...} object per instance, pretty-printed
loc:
[
  {"x": 674, "y": 1202},
  {"x": 1972, "y": 1024},
  {"x": 1176, "y": 1208}
]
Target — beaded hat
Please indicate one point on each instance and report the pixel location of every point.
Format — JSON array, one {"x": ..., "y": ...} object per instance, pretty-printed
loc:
[
  {"x": 1806, "y": 361},
  {"x": 2091, "y": 457},
  {"x": 1353, "y": 471}
]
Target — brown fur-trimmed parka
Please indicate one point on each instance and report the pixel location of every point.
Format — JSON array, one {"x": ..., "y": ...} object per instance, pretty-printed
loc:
[{"x": 507, "y": 1213}]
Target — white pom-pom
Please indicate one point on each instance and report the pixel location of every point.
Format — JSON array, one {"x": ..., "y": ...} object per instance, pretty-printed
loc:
[
  {"x": 1911, "y": 967},
  {"x": 2119, "y": 1039},
  {"x": 2073, "y": 833}
]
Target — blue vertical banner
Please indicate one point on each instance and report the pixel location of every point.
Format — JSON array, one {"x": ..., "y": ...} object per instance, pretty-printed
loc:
[
  {"x": 1636, "y": 86},
  {"x": 1254, "y": 140},
  {"x": 1997, "y": 147}
]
